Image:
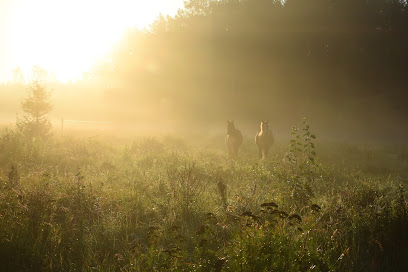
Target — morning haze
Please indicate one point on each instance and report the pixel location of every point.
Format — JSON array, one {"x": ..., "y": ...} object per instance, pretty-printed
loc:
[
  {"x": 204, "y": 135},
  {"x": 340, "y": 64}
]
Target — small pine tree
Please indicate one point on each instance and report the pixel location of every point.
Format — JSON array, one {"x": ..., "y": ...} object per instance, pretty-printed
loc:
[{"x": 36, "y": 105}]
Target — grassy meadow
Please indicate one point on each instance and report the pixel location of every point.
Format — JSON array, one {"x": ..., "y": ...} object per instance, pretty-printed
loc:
[{"x": 77, "y": 203}]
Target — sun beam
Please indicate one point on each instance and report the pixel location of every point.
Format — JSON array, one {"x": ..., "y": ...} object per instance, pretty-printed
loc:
[{"x": 66, "y": 37}]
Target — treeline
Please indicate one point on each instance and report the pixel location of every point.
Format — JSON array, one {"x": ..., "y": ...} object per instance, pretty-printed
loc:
[{"x": 343, "y": 62}]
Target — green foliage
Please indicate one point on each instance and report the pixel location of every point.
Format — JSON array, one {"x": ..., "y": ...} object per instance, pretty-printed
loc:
[{"x": 87, "y": 204}]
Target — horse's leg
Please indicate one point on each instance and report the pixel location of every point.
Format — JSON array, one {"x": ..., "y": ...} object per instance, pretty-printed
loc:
[
  {"x": 230, "y": 151},
  {"x": 266, "y": 151},
  {"x": 260, "y": 152}
]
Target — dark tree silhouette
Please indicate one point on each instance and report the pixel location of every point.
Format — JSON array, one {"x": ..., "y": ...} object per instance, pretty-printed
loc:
[
  {"x": 36, "y": 106},
  {"x": 321, "y": 57}
]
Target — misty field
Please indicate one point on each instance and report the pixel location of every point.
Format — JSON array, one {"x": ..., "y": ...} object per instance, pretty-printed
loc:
[
  {"x": 115, "y": 153},
  {"x": 166, "y": 204}
]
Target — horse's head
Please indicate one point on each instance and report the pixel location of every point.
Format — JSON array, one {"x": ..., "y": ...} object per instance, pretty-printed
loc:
[
  {"x": 264, "y": 126},
  {"x": 230, "y": 126}
]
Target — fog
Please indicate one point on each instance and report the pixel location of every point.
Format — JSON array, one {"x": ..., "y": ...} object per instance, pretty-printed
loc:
[{"x": 246, "y": 61}]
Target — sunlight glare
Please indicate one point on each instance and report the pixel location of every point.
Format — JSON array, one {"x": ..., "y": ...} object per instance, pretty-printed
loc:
[{"x": 67, "y": 37}]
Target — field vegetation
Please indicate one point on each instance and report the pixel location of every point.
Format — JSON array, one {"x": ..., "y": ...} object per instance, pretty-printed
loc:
[
  {"x": 170, "y": 204},
  {"x": 156, "y": 190}
]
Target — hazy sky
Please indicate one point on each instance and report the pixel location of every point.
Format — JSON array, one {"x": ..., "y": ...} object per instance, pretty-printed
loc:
[{"x": 67, "y": 36}]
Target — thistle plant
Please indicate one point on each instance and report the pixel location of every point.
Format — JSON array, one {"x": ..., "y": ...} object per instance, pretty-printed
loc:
[{"x": 302, "y": 159}]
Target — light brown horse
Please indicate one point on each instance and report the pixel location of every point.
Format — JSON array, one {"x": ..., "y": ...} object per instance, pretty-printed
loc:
[
  {"x": 264, "y": 140},
  {"x": 233, "y": 139}
]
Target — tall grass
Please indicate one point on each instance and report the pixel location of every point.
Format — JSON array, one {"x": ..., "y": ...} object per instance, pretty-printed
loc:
[{"x": 164, "y": 205}]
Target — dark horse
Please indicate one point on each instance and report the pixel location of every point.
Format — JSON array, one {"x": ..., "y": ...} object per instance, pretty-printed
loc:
[
  {"x": 233, "y": 139},
  {"x": 264, "y": 140}
]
